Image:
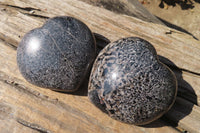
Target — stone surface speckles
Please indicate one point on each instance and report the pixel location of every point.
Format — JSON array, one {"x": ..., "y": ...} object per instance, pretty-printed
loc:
[
  {"x": 57, "y": 55},
  {"x": 129, "y": 82}
]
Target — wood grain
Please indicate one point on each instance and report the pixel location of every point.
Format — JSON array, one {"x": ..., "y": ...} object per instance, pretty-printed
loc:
[
  {"x": 180, "y": 48},
  {"x": 52, "y": 111},
  {"x": 27, "y": 108},
  {"x": 129, "y": 7},
  {"x": 111, "y": 25}
]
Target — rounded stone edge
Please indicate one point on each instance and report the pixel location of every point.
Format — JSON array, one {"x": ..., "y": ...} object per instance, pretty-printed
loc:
[
  {"x": 88, "y": 67},
  {"x": 103, "y": 107}
]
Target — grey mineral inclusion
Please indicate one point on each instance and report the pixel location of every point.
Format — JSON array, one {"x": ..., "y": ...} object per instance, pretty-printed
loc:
[
  {"x": 58, "y": 54},
  {"x": 130, "y": 84}
]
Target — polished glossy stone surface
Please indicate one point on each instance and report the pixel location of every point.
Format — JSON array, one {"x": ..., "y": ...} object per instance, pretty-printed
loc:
[
  {"x": 130, "y": 84},
  {"x": 57, "y": 55}
]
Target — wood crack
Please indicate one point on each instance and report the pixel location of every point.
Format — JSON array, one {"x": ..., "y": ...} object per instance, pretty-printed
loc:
[
  {"x": 33, "y": 126},
  {"x": 182, "y": 69},
  {"x": 22, "y": 8},
  {"x": 29, "y": 11},
  {"x": 185, "y": 70},
  {"x": 35, "y": 15},
  {"x": 13, "y": 82},
  {"x": 7, "y": 43},
  {"x": 172, "y": 66}
]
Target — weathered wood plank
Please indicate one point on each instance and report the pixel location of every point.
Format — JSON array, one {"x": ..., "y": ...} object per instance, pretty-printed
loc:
[
  {"x": 58, "y": 112},
  {"x": 184, "y": 108},
  {"x": 8, "y": 123},
  {"x": 180, "y": 48},
  {"x": 113, "y": 26},
  {"x": 52, "y": 111},
  {"x": 129, "y": 7}
]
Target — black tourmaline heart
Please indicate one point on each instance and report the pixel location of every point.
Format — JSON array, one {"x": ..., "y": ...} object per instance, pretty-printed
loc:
[
  {"x": 130, "y": 84},
  {"x": 57, "y": 55}
]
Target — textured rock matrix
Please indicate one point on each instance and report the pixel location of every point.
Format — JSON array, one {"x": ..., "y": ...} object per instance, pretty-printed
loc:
[
  {"x": 57, "y": 55},
  {"x": 130, "y": 84}
]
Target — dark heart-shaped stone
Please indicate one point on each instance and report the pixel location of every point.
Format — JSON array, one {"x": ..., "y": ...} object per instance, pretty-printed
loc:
[
  {"x": 129, "y": 82},
  {"x": 57, "y": 55}
]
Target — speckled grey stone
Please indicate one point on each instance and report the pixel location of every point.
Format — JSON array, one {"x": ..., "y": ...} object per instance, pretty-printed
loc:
[
  {"x": 129, "y": 82},
  {"x": 57, "y": 55}
]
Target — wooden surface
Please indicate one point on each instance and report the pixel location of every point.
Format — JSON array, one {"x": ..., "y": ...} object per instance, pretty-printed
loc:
[
  {"x": 27, "y": 108},
  {"x": 129, "y": 7}
]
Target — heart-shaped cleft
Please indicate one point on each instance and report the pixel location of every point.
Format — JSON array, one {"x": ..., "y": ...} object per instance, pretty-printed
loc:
[
  {"x": 130, "y": 84},
  {"x": 58, "y": 54}
]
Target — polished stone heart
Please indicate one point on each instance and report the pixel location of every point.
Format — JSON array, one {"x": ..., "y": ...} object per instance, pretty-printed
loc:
[
  {"x": 130, "y": 84},
  {"x": 57, "y": 55}
]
